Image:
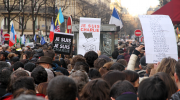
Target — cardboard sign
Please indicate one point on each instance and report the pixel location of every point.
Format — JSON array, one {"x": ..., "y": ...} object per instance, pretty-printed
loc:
[
  {"x": 89, "y": 35},
  {"x": 159, "y": 37},
  {"x": 62, "y": 43}
]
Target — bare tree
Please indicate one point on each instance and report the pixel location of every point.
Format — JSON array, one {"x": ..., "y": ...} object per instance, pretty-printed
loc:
[
  {"x": 35, "y": 8},
  {"x": 97, "y": 10},
  {"x": 13, "y": 5}
]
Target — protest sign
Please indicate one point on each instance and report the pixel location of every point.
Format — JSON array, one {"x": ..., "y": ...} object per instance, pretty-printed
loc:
[
  {"x": 159, "y": 37},
  {"x": 30, "y": 44},
  {"x": 89, "y": 35},
  {"x": 62, "y": 43}
]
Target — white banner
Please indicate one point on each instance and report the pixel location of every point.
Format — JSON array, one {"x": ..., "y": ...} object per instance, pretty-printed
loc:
[
  {"x": 89, "y": 35},
  {"x": 159, "y": 37}
]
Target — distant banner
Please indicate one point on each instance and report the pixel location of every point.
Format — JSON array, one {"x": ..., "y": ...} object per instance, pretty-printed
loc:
[
  {"x": 62, "y": 43},
  {"x": 89, "y": 35},
  {"x": 159, "y": 37}
]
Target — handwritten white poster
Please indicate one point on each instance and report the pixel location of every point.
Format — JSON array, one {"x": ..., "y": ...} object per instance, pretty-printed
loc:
[
  {"x": 159, "y": 37},
  {"x": 89, "y": 35}
]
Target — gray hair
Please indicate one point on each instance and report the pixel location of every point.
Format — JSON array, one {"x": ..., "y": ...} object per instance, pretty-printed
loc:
[
  {"x": 29, "y": 97},
  {"x": 80, "y": 78}
]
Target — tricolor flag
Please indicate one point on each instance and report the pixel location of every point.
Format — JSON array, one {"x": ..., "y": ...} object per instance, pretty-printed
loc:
[
  {"x": 60, "y": 18},
  {"x": 12, "y": 36},
  {"x": 51, "y": 35},
  {"x": 115, "y": 19}
]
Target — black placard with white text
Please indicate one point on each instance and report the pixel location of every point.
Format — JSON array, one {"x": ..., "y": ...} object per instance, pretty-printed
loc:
[{"x": 62, "y": 43}]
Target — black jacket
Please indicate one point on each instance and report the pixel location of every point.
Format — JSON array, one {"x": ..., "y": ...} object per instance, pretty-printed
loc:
[{"x": 2, "y": 90}]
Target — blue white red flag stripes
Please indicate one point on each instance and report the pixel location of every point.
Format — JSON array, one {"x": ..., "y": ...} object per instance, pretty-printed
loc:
[
  {"x": 12, "y": 36},
  {"x": 115, "y": 19},
  {"x": 51, "y": 35}
]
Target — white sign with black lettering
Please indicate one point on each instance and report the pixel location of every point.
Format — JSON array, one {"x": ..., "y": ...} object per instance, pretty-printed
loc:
[{"x": 159, "y": 37}]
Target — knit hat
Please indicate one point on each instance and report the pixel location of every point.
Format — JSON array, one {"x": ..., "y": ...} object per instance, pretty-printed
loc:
[{"x": 143, "y": 61}]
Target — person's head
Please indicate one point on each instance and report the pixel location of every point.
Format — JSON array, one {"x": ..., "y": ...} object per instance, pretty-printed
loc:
[
  {"x": 80, "y": 78},
  {"x": 91, "y": 56},
  {"x": 42, "y": 88},
  {"x": 3, "y": 56},
  {"x": 167, "y": 65},
  {"x": 17, "y": 53},
  {"x": 17, "y": 65},
  {"x": 123, "y": 62},
  {"x": 23, "y": 82},
  {"x": 50, "y": 53},
  {"x": 29, "y": 66},
  {"x": 115, "y": 54},
  {"x": 121, "y": 87},
  {"x": 105, "y": 57},
  {"x": 152, "y": 88},
  {"x": 8, "y": 48},
  {"x": 39, "y": 74},
  {"x": 28, "y": 97},
  {"x": 27, "y": 55},
  {"x": 11, "y": 55},
  {"x": 45, "y": 62},
  {"x": 94, "y": 73},
  {"x": 103, "y": 70},
  {"x": 113, "y": 76},
  {"x": 61, "y": 88},
  {"x": 149, "y": 67},
  {"x": 121, "y": 52},
  {"x": 143, "y": 64},
  {"x": 132, "y": 77},
  {"x": 117, "y": 66},
  {"x": 77, "y": 59},
  {"x": 170, "y": 85},
  {"x": 50, "y": 74},
  {"x": 14, "y": 60},
  {"x": 67, "y": 61},
  {"x": 23, "y": 91},
  {"x": 97, "y": 89},
  {"x": 82, "y": 66},
  {"x": 98, "y": 63},
  {"x": 5, "y": 76},
  {"x": 3, "y": 64}
]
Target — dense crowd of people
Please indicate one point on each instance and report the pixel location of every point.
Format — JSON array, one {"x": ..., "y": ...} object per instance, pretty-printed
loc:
[{"x": 39, "y": 73}]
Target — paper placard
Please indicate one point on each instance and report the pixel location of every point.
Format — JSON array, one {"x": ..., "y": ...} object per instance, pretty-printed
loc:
[
  {"x": 89, "y": 35},
  {"x": 159, "y": 37},
  {"x": 62, "y": 43}
]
